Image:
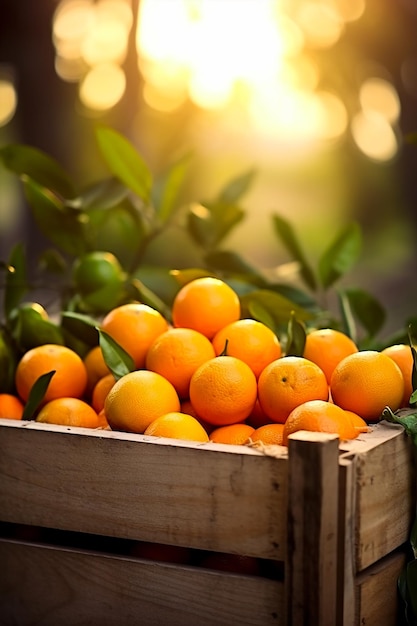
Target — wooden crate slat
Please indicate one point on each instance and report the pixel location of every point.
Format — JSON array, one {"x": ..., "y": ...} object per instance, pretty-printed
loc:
[
  {"x": 118, "y": 484},
  {"x": 385, "y": 492},
  {"x": 49, "y": 586},
  {"x": 376, "y": 592}
]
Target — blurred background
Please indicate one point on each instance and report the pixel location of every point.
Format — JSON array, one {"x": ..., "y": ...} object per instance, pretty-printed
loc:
[{"x": 318, "y": 96}]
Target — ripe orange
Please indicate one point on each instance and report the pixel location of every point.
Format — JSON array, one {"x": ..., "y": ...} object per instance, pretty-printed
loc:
[
  {"x": 358, "y": 422},
  {"x": 68, "y": 412},
  {"x": 249, "y": 340},
  {"x": 205, "y": 304},
  {"x": 236, "y": 434},
  {"x": 11, "y": 407},
  {"x": 100, "y": 392},
  {"x": 176, "y": 354},
  {"x": 187, "y": 407},
  {"x": 269, "y": 434},
  {"x": 288, "y": 382},
  {"x": 257, "y": 417},
  {"x": 403, "y": 357},
  {"x": 223, "y": 390},
  {"x": 366, "y": 382},
  {"x": 137, "y": 399},
  {"x": 177, "y": 425},
  {"x": 69, "y": 380},
  {"x": 96, "y": 367},
  {"x": 327, "y": 347},
  {"x": 134, "y": 327},
  {"x": 319, "y": 416}
]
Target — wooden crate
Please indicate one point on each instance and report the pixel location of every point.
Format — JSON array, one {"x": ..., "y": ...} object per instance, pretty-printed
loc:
[{"x": 335, "y": 516}]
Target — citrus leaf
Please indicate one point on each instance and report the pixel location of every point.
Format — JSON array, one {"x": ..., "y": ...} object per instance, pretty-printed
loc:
[
  {"x": 36, "y": 395},
  {"x": 147, "y": 296},
  {"x": 30, "y": 162},
  {"x": 414, "y": 370},
  {"x": 348, "y": 320},
  {"x": 166, "y": 189},
  {"x": 30, "y": 329},
  {"x": 209, "y": 224},
  {"x": 412, "y": 586},
  {"x": 82, "y": 326},
  {"x": 232, "y": 263},
  {"x": 8, "y": 362},
  {"x": 261, "y": 314},
  {"x": 406, "y": 417},
  {"x": 124, "y": 162},
  {"x": 277, "y": 306},
  {"x": 104, "y": 195},
  {"x": 288, "y": 237},
  {"x": 296, "y": 337},
  {"x": 187, "y": 275},
  {"x": 367, "y": 310},
  {"x": 236, "y": 188},
  {"x": 117, "y": 359},
  {"x": 16, "y": 280},
  {"x": 65, "y": 228},
  {"x": 341, "y": 255}
]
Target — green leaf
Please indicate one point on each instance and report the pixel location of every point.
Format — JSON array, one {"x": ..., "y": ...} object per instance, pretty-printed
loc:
[
  {"x": 187, "y": 275},
  {"x": 63, "y": 227},
  {"x": 277, "y": 306},
  {"x": 37, "y": 394},
  {"x": 166, "y": 189},
  {"x": 296, "y": 337},
  {"x": 406, "y": 417},
  {"x": 366, "y": 309},
  {"x": 411, "y": 573},
  {"x": 30, "y": 329},
  {"x": 261, "y": 314},
  {"x": 288, "y": 237},
  {"x": 348, "y": 320},
  {"x": 16, "y": 280},
  {"x": 104, "y": 195},
  {"x": 141, "y": 292},
  {"x": 82, "y": 326},
  {"x": 32, "y": 163},
  {"x": 414, "y": 370},
  {"x": 236, "y": 188},
  {"x": 53, "y": 261},
  {"x": 341, "y": 255},
  {"x": 124, "y": 162},
  {"x": 208, "y": 224},
  {"x": 233, "y": 264},
  {"x": 117, "y": 359},
  {"x": 8, "y": 362}
]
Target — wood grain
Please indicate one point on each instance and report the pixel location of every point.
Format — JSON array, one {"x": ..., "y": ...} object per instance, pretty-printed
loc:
[
  {"x": 49, "y": 586},
  {"x": 208, "y": 496}
]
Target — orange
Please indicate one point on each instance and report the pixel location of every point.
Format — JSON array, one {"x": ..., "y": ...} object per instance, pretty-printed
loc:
[
  {"x": 205, "y": 304},
  {"x": 100, "y": 392},
  {"x": 366, "y": 382},
  {"x": 177, "y": 425},
  {"x": 269, "y": 434},
  {"x": 137, "y": 399},
  {"x": 358, "y": 422},
  {"x": 288, "y": 382},
  {"x": 249, "y": 340},
  {"x": 176, "y": 354},
  {"x": 68, "y": 412},
  {"x": 327, "y": 347},
  {"x": 102, "y": 420},
  {"x": 237, "y": 434},
  {"x": 257, "y": 417},
  {"x": 134, "y": 327},
  {"x": 403, "y": 357},
  {"x": 69, "y": 380},
  {"x": 187, "y": 407},
  {"x": 319, "y": 416},
  {"x": 11, "y": 407},
  {"x": 96, "y": 367},
  {"x": 223, "y": 390}
]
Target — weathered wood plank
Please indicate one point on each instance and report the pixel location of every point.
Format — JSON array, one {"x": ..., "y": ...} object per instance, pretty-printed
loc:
[
  {"x": 208, "y": 496},
  {"x": 312, "y": 559},
  {"x": 49, "y": 586},
  {"x": 376, "y": 592}
]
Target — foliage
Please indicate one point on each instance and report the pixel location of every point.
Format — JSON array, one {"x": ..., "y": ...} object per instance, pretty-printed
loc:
[{"x": 125, "y": 214}]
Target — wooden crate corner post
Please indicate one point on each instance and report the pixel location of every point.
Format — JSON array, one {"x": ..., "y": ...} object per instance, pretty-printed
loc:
[{"x": 312, "y": 550}]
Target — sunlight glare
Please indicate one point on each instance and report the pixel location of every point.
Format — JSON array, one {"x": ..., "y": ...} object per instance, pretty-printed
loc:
[
  {"x": 380, "y": 96},
  {"x": 102, "y": 87},
  {"x": 8, "y": 101},
  {"x": 374, "y": 136}
]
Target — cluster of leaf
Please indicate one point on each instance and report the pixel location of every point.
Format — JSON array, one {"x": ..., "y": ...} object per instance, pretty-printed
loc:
[{"x": 125, "y": 214}]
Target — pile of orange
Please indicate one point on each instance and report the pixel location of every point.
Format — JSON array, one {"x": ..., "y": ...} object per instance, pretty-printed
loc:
[{"x": 210, "y": 376}]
